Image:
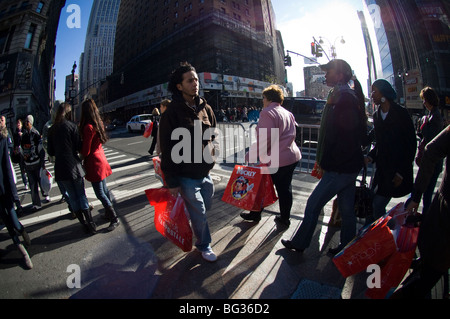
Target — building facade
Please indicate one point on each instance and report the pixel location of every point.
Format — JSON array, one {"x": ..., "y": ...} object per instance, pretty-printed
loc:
[
  {"x": 411, "y": 44},
  {"x": 27, "y": 53},
  {"x": 96, "y": 62},
  {"x": 229, "y": 40}
]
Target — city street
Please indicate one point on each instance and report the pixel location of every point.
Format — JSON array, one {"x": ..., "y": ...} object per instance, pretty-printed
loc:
[{"x": 135, "y": 261}]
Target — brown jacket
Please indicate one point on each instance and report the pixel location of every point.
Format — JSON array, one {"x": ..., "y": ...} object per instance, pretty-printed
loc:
[{"x": 188, "y": 157}]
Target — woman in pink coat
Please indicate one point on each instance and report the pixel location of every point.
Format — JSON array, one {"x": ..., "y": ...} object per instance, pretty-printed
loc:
[{"x": 95, "y": 163}]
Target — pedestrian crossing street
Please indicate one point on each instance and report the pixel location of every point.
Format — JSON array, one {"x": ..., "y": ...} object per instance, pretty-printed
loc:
[
  {"x": 122, "y": 164},
  {"x": 133, "y": 175}
]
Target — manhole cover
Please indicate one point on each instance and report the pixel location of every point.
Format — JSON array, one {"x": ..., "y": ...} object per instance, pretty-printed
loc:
[{"x": 308, "y": 289}]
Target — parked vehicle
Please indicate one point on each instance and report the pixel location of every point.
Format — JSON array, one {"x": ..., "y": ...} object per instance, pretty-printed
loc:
[
  {"x": 139, "y": 122},
  {"x": 307, "y": 111}
]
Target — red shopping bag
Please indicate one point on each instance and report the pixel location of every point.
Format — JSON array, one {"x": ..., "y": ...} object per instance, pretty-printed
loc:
[
  {"x": 372, "y": 244},
  {"x": 158, "y": 171},
  {"x": 393, "y": 270},
  {"x": 148, "y": 130},
  {"x": 171, "y": 217},
  {"x": 249, "y": 189}
]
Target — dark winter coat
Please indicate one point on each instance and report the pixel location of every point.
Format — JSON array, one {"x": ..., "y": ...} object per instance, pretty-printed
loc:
[
  {"x": 64, "y": 142},
  {"x": 180, "y": 115},
  {"x": 434, "y": 236},
  {"x": 394, "y": 151}
]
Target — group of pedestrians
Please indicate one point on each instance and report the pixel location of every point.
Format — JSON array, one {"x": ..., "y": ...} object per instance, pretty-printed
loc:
[
  {"x": 343, "y": 137},
  {"x": 343, "y": 134},
  {"x": 77, "y": 154}
]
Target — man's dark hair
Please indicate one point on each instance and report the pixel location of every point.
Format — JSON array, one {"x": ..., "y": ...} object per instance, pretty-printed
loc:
[{"x": 177, "y": 76}]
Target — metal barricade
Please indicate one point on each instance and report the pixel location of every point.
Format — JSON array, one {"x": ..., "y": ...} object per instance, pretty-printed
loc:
[
  {"x": 233, "y": 142},
  {"x": 306, "y": 139}
]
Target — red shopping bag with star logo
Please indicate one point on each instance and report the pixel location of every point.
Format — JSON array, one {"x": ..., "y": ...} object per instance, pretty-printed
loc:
[{"x": 171, "y": 217}]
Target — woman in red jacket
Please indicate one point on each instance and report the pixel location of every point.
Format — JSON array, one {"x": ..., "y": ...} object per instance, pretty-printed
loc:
[{"x": 95, "y": 163}]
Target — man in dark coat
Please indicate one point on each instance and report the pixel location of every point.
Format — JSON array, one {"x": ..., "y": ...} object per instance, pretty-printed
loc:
[
  {"x": 187, "y": 159},
  {"x": 434, "y": 236}
]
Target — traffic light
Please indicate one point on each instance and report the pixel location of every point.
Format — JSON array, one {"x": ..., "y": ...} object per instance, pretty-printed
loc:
[
  {"x": 287, "y": 61},
  {"x": 319, "y": 51},
  {"x": 313, "y": 48}
]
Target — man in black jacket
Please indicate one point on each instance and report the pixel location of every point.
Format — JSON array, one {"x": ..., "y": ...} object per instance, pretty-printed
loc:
[{"x": 187, "y": 151}]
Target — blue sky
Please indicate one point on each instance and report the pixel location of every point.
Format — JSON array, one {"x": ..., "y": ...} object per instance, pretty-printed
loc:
[
  {"x": 70, "y": 43},
  {"x": 298, "y": 21}
]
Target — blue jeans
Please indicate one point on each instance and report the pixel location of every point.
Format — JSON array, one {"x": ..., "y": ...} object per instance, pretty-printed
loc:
[
  {"x": 102, "y": 192},
  {"x": 197, "y": 194},
  {"x": 77, "y": 195},
  {"x": 331, "y": 184},
  {"x": 379, "y": 206},
  {"x": 9, "y": 217}
]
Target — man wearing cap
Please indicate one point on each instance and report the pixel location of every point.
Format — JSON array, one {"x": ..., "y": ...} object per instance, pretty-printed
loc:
[
  {"x": 34, "y": 159},
  {"x": 343, "y": 129}
]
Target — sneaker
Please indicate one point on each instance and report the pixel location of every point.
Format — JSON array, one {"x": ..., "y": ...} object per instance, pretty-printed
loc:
[
  {"x": 26, "y": 187},
  {"x": 209, "y": 255},
  {"x": 48, "y": 199},
  {"x": 35, "y": 208}
]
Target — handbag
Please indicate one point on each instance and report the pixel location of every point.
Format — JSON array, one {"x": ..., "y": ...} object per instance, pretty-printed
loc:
[
  {"x": 363, "y": 197},
  {"x": 250, "y": 188},
  {"x": 171, "y": 217}
]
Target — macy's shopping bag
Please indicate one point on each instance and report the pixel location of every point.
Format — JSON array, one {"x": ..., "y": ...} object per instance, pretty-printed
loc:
[
  {"x": 393, "y": 270},
  {"x": 158, "y": 171},
  {"x": 171, "y": 217},
  {"x": 148, "y": 130},
  {"x": 250, "y": 189},
  {"x": 372, "y": 244}
]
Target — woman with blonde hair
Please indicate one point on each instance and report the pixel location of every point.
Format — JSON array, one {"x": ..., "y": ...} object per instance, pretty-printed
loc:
[{"x": 95, "y": 163}]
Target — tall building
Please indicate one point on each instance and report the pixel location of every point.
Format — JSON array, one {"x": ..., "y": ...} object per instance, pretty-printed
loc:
[
  {"x": 412, "y": 47},
  {"x": 27, "y": 55},
  {"x": 96, "y": 62},
  {"x": 232, "y": 44}
]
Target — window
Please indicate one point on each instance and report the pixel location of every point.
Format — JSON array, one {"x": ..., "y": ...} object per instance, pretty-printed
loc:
[
  {"x": 40, "y": 7},
  {"x": 30, "y": 36}
]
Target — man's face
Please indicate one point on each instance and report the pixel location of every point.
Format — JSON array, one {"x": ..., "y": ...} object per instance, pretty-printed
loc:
[
  {"x": 28, "y": 125},
  {"x": 189, "y": 86}
]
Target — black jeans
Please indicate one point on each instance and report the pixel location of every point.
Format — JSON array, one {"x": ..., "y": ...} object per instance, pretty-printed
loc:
[{"x": 282, "y": 180}]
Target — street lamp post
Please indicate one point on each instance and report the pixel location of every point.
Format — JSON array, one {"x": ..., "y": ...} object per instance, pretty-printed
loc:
[
  {"x": 332, "y": 46},
  {"x": 72, "y": 91}
]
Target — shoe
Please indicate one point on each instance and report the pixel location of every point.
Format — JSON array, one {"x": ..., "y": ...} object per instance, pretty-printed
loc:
[
  {"x": 47, "y": 199},
  {"x": 26, "y": 257},
  {"x": 35, "y": 208},
  {"x": 209, "y": 255},
  {"x": 252, "y": 216},
  {"x": 288, "y": 245},
  {"x": 282, "y": 221},
  {"x": 26, "y": 187},
  {"x": 26, "y": 238},
  {"x": 334, "y": 251}
]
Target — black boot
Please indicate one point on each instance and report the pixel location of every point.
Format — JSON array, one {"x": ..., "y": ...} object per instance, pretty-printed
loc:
[
  {"x": 112, "y": 216},
  {"x": 252, "y": 216},
  {"x": 92, "y": 227},
  {"x": 79, "y": 215}
]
